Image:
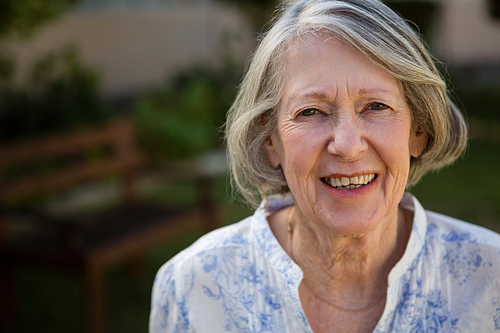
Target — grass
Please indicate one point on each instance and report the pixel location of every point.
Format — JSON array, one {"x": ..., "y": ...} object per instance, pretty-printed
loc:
[
  {"x": 467, "y": 190},
  {"x": 51, "y": 301}
]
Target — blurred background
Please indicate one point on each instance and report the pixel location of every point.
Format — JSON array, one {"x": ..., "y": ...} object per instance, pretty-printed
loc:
[{"x": 172, "y": 67}]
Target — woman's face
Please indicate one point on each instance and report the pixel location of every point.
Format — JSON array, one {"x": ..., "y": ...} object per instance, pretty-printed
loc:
[{"x": 344, "y": 137}]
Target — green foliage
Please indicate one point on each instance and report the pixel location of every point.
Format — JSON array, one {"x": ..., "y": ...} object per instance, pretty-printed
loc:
[
  {"x": 259, "y": 12},
  {"x": 494, "y": 8},
  {"x": 6, "y": 68},
  {"x": 478, "y": 201},
  {"x": 23, "y": 16},
  {"x": 421, "y": 12},
  {"x": 479, "y": 101},
  {"x": 183, "y": 118},
  {"x": 61, "y": 94}
]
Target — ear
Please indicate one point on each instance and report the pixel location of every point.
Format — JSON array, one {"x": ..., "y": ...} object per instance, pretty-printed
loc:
[
  {"x": 418, "y": 142},
  {"x": 271, "y": 151}
]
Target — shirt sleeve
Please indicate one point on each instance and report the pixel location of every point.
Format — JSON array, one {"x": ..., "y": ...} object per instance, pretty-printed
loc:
[{"x": 168, "y": 314}]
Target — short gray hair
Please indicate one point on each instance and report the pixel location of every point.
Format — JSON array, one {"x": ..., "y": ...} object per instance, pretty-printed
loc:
[{"x": 384, "y": 38}]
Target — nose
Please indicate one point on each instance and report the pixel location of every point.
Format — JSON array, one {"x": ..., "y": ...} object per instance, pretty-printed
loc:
[{"x": 347, "y": 139}]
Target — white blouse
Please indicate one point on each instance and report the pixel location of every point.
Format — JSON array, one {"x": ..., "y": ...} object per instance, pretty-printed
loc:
[{"x": 239, "y": 279}]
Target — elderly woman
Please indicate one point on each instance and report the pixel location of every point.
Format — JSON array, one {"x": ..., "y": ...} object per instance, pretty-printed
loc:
[{"x": 341, "y": 110}]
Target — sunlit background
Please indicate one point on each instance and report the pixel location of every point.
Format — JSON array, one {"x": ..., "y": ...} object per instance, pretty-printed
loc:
[{"x": 171, "y": 68}]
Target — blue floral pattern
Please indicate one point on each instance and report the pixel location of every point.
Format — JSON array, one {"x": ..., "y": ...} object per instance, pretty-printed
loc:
[{"x": 239, "y": 279}]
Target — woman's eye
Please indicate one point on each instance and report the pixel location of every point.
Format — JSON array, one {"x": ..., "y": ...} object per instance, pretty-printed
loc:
[
  {"x": 377, "y": 106},
  {"x": 308, "y": 112}
]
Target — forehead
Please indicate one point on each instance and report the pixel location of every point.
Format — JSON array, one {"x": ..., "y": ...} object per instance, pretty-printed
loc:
[{"x": 326, "y": 64}]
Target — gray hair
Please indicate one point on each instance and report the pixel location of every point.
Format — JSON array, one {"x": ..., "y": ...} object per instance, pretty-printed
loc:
[{"x": 384, "y": 38}]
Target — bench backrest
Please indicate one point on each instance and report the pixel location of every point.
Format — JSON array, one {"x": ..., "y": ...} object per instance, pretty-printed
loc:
[{"x": 64, "y": 160}]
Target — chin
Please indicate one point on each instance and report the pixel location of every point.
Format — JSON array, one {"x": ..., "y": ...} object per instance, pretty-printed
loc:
[{"x": 348, "y": 221}]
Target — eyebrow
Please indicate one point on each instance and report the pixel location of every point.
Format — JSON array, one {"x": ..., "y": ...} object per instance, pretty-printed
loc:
[
  {"x": 364, "y": 92},
  {"x": 323, "y": 96},
  {"x": 307, "y": 95}
]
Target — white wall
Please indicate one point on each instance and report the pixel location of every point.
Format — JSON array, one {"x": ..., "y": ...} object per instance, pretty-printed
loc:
[
  {"x": 135, "y": 48},
  {"x": 467, "y": 35}
]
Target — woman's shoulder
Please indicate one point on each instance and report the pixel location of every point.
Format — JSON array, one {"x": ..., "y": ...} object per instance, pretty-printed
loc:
[
  {"x": 452, "y": 230},
  {"x": 231, "y": 241},
  {"x": 228, "y": 238},
  {"x": 179, "y": 274}
]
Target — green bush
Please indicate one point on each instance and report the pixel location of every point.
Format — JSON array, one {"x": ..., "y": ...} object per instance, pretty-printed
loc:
[
  {"x": 60, "y": 94},
  {"x": 24, "y": 16},
  {"x": 184, "y": 118},
  {"x": 423, "y": 13},
  {"x": 479, "y": 102}
]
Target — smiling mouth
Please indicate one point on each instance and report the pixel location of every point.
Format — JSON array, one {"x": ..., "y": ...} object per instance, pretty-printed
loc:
[{"x": 349, "y": 183}]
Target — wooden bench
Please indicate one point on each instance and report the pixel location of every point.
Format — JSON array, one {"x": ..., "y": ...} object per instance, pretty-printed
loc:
[{"x": 84, "y": 244}]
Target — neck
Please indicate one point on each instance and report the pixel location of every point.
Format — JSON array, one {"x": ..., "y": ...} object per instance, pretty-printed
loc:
[{"x": 353, "y": 269}]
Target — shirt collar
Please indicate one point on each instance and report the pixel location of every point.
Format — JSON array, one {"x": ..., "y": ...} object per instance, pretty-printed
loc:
[
  {"x": 416, "y": 241},
  {"x": 269, "y": 245},
  {"x": 280, "y": 260}
]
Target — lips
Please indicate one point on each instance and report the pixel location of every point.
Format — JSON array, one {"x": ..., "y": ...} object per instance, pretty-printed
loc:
[{"x": 349, "y": 183}]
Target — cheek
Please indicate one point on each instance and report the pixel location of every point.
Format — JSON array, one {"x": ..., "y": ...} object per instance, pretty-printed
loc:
[
  {"x": 302, "y": 148},
  {"x": 392, "y": 144}
]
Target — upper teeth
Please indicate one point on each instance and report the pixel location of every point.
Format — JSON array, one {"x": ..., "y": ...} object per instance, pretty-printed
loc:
[{"x": 350, "y": 182}]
